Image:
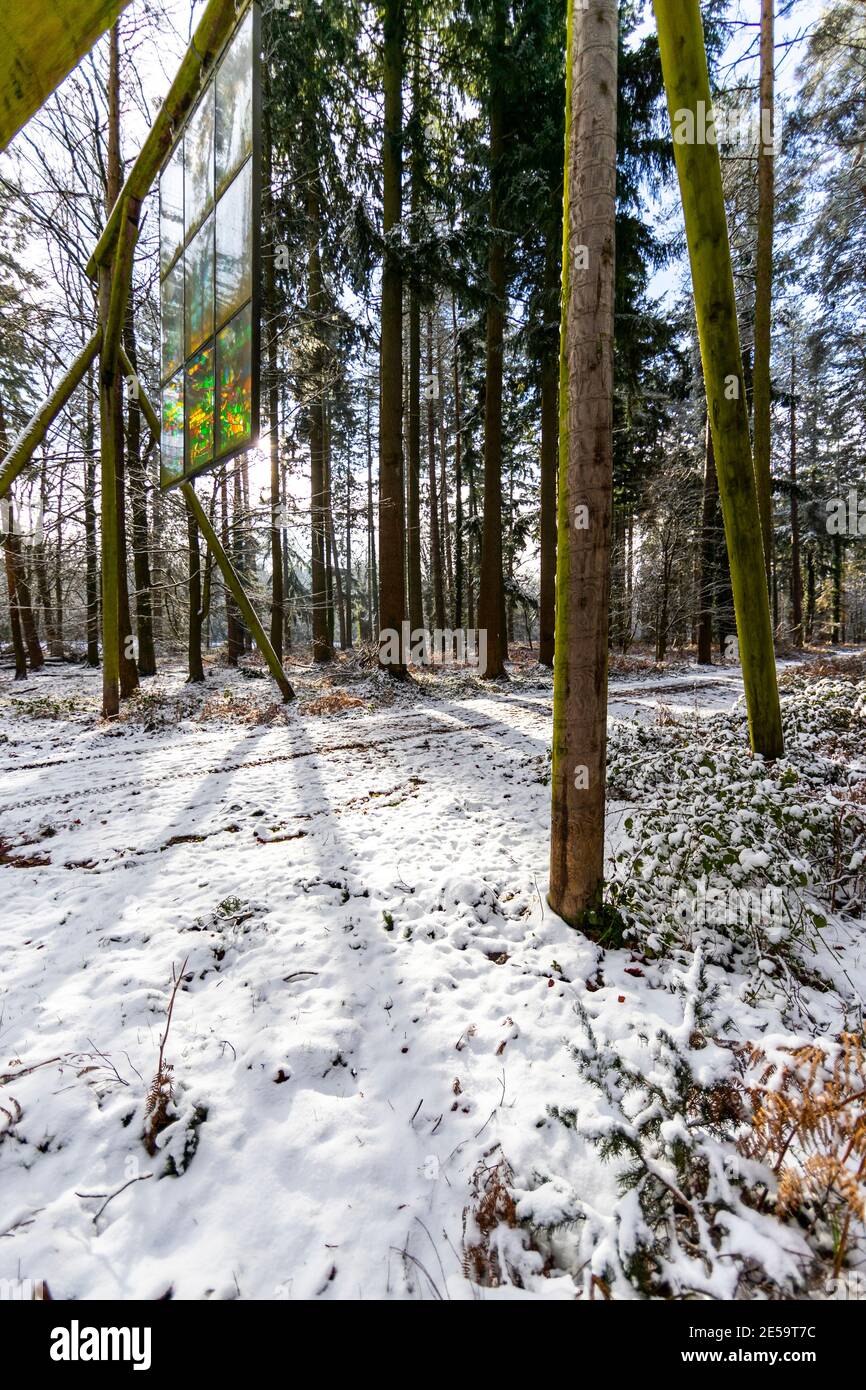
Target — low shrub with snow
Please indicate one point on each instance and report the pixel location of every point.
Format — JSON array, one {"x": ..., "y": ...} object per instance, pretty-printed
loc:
[
  {"x": 741, "y": 1167},
  {"x": 748, "y": 857},
  {"x": 689, "y": 1220}
]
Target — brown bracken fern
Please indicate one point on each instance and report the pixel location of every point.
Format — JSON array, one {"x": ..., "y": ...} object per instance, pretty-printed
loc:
[{"x": 809, "y": 1127}]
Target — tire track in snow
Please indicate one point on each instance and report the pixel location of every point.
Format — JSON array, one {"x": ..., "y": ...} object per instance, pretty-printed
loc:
[{"x": 152, "y": 783}]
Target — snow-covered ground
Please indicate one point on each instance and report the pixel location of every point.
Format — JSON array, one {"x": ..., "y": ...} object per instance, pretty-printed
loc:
[{"x": 377, "y": 998}]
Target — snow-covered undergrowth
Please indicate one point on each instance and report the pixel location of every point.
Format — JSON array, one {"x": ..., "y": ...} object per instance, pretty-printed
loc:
[
  {"x": 749, "y": 859},
  {"x": 390, "y": 1071},
  {"x": 738, "y": 883}
]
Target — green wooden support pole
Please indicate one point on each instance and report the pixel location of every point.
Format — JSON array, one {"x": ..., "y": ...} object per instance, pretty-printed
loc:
[
  {"x": 238, "y": 591},
  {"x": 36, "y": 429},
  {"x": 144, "y": 400},
  {"x": 41, "y": 44},
  {"x": 687, "y": 83}
]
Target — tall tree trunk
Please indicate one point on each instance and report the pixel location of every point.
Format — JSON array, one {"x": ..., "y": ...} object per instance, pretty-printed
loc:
[
  {"x": 629, "y": 586},
  {"x": 684, "y": 66},
  {"x": 247, "y": 542},
  {"x": 7, "y": 525},
  {"x": 549, "y": 436},
  {"x": 470, "y": 547},
  {"x": 436, "y": 573},
  {"x": 55, "y": 646},
  {"x": 322, "y": 645},
  {"x": 413, "y": 432},
  {"x": 233, "y": 635},
  {"x": 277, "y": 593},
  {"x": 509, "y": 594},
  {"x": 337, "y": 603},
  {"x": 25, "y": 607},
  {"x": 663, "y": 622},
  {"x": 196, "y": 615},
  {"x": 52, "y": 609},
  {"x": 119, "y": 672},
  {"x": 708, "y": 551},
  {"x": 372, "y": 582},
  {"x": 330, "y": 548},
  {"x": 288, "y": 603},
  {"x": 157, "y": 550},
  {"x": 111, "y": 428},
  {"x": 444, "y": 507},
  {"x": 207, "y": 585},
  {"x": 90, "y": 545},
  {"x": 24, "y": 600},
  {"x": 764, "y": 287},
  {"x": 18, "y": 646},
  {"x": 458, "y": 478},
  {"x": 796, "y": 571},
  {"x": 392, "y": 602},
  {"x": 20, "y": 606},
  {"x": 128, "y": 665},
  {"x": 238, "y": 559},
  {"x": 491, "y": 599},
  {"x": 838, "y": 564},
  {"x": 140, "y": 539},
  {"x": 348, "y": 596},
  {"x": 586, "y": 465}
]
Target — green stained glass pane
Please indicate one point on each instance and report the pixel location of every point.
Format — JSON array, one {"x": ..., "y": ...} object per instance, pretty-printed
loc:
[
  {"x": 171, "y": 209},
  {"x": 198, "y": 163},
  {"x": 234, "y": 277},
  {"x": 200, "y": 408},
  {"x": 171, "y": 302},
  {"x": 171, "y": 451},
  {"x": 235, "y": 377},
  {"x": 198, "y": 285},
  {"x": 234, "y": 103}
]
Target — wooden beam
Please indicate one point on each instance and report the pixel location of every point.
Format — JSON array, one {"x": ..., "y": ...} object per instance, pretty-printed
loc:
[
  {"x": 121, "y": 279},
  {"x": 213, "y": 29},
  {"x": 37, "y": 427},
  {"x": 40, "y": 45},
  {"x": 237, "y": 589},
  {"x": 147, "y": 409}
]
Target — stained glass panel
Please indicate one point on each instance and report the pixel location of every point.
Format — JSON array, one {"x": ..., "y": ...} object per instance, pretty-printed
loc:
[
  {"x": 172, "y": 432},
  {"x": 171, "y": 304},
  {"x": 199, "y": 408},
  {"x": 171, "y": 210},
  {"x": 209, "y": 247},
  {"x": 198, "y": 163},
  {"x": 235, "y": 379},
  {"x": 234, "y": 271},
  {"x": 198, "y": 278},
  {"x": 234, "y": 103}
]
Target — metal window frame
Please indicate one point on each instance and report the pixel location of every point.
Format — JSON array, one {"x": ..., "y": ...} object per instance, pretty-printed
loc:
[{"x": 220, "y": 457}]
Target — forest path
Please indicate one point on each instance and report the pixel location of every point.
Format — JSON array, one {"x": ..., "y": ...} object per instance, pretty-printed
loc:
[{"x": 377, "y": 998}]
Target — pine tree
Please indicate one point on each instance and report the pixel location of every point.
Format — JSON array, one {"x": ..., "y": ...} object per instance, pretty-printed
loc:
[
  {"x": 586, "y": 464},
  {"x": 392, "y": 601}
]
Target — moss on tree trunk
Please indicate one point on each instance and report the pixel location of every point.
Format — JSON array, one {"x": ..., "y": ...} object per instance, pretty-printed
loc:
[{"x": 684, "y": 64}]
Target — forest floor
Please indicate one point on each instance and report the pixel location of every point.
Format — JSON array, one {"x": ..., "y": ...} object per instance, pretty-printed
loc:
[{"x": 377, "y": 1003}]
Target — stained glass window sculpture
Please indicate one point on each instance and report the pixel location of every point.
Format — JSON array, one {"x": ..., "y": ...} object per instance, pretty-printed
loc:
[{"x": 209, "y": 251}]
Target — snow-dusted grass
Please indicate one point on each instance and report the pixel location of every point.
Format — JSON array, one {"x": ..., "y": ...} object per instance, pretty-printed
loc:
[{"x": 378, "y": 1005}]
